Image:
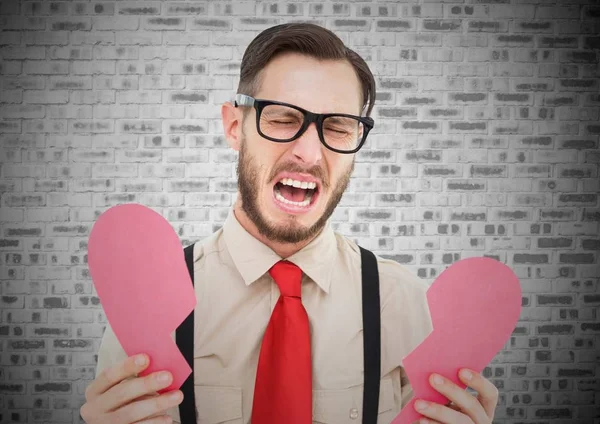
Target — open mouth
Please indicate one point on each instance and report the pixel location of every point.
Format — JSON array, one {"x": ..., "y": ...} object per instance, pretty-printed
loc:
[{"x": 296, "y": 194}]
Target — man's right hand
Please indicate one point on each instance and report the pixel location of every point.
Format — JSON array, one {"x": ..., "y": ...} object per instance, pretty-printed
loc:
[{"x": 119, "y": 396}]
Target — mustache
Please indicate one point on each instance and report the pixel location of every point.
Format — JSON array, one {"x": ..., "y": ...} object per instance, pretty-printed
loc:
[{"x": 315, "y": 171}]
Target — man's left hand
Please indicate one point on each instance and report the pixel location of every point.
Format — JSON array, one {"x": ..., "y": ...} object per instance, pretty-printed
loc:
[{"x": 464, "y": 408}]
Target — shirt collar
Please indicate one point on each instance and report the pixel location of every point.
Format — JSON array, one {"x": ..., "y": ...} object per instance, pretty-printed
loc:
[{"x": 253, "y": 259}]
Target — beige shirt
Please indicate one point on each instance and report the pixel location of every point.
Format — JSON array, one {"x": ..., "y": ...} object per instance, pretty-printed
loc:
[{"x": 235, "y": 298}]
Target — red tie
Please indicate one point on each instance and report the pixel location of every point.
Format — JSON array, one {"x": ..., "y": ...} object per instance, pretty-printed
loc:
[{"x": 283, "y": 390}]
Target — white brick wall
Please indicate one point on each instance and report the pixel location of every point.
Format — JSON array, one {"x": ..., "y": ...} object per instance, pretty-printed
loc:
[{"x": 486, "y": 143}]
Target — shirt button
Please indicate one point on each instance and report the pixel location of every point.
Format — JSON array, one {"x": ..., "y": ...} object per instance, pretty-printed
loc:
[{"x": 354, "y": 413}]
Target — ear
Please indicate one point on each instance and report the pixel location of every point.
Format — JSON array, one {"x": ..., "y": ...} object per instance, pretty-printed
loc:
[{"x": 232, "y": 124}]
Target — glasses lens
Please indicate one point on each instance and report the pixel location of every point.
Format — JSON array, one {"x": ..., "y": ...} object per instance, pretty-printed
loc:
[
  {"x": 283, "y": 123},
  {"x": 280, "y": 122},
  {"x": 343, "y": 133}
]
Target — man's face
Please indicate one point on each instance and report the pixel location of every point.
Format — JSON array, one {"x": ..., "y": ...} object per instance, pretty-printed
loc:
[{"x": 266, "y": 169}]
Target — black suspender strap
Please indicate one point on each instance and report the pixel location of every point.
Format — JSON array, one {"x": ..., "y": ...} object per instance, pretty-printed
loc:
[
  {"x": 184, "y": 337},
  {"x": 371, "y": 341},
  {"x": 371, "y": 335}
]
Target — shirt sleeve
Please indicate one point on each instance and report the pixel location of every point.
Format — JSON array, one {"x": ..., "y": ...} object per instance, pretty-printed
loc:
[
  {"x": 405, "y": 323},
  {"x": 407, "y": 391},
  {"x": 110, "y": 352}
]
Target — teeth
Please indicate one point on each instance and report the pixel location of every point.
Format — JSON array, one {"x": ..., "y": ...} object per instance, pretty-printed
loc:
[
  {"x": 298, "y": 184},
  {"x": 302, "y": 204}
]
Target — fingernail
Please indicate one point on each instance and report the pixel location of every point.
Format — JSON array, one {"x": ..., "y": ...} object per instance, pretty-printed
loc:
[
  {"x": 467, "y": 374},
  {"x": 174, "y": 396},
  {"x": 437, "y": 379},
  {"x": 140, "y": 360},
  {"x": 163, "y": 376},
  {"x": 424, "y": 421},
  {"x": 421, "y": 404}
]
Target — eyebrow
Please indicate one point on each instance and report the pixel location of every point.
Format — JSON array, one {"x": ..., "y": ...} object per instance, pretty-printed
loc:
[
  {"x": 338, "y": 113},
  {"x": 338, "y": 119},
  {"x": 294, "y": 113}
]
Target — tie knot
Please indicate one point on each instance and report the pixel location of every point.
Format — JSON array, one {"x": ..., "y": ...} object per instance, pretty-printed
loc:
[{"x": 288, "y": 277}]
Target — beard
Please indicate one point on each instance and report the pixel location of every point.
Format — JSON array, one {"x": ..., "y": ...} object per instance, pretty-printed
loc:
[{"x": 292, "y": 231}]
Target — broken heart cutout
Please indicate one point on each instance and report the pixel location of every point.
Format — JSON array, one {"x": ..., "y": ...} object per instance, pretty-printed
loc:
[
  {"x": 475, "y": 305},
  {"x": 138, "y": 267}
]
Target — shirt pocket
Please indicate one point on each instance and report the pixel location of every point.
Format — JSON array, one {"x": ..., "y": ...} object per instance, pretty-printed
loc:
[
  {"x": 215, "y": 405},
  {"x": 344, "y": 406}
]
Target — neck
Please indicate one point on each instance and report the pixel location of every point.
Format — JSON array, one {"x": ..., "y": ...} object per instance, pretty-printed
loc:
[{"x": 284, "y": 250}]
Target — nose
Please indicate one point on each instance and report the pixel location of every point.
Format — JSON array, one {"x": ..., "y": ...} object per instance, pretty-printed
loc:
[{"x": 308, "y": 147}]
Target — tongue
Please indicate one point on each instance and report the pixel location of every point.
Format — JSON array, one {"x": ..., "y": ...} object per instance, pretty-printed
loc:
[{"x": 292, "y": 193}]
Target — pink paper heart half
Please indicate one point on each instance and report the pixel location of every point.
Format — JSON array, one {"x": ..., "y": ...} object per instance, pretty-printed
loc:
[
  {"x": 138, "y": 268},
  {"x": 475, "y": 305}
]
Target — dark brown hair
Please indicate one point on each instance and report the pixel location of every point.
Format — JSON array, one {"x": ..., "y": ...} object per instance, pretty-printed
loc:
[{"x": 305, "y": 38}]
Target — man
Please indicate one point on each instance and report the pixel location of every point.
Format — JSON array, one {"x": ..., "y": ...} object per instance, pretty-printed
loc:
[{"x": 258, "y": 342}]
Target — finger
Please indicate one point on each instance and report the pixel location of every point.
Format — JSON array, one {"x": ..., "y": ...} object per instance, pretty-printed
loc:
[
  {"x": 466, "y": 402},
  {"x": 114, "y": 375},
  {"x": 424, "y": 420},
  {"x": 162, "y": 419},
  {"x": 428, "y": 421},
  {"x": 487, "y": 393},
  {"x": 436, "y": 412},
  {"x": 131, "y": 390},
  {"x": 452, "y": 405},
  {"x": 150, "y": 396},
  {"x": 143, "y": 409}
]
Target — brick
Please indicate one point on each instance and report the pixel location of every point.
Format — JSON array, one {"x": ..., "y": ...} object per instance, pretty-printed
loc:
[
  {"x": 487, "y": 26},
  {"x": 578, "y": 84},
  {"x": 466, "y": 184},
  {"x": 96, "y": 184},
  {"x": 441, "y": 55},
  {"x": 512, "y": 214},
  {"x": 10, "y": 126},
  {"x": 115, "y": 53},
  {"x": 139, "y": 8},
  {"x": 138, "y": 186},
  {"x": 93, "y": 68},
  {"x": 248, "y": 8},
  {"x": 551, "y": 12},
  {"x": 488, "y": 171},
  {"x": 576, "y": 228},
  {"x": 20, "y": 23},
  {"x": 521, "y": 11},
  {"x": 92, "y": 38},
  {"x": 560, "y": 99},
  {"x": 512, "y": 70},
  {"x": 513, "y": 40},
  {"x": 512, "y": 98},
  {"x": 530, "y": 199},
  {"x": 9, "y": 8},
  {"x": 469, "y": 70},
  {"x": 535, "y": 26},
  {"x": 184, "y": 8},
  {"x": 93, "y": 8},
  {"x": 13, "y": 67},
  {"x": 577, "y": 199},
  {"x": 441, "y": 25},
  {"x": 467, "y": 98},
  {"x": 485, "y": 55},
  {"x": 577, "y": 258},
  {"x": 590, "y": 244},
  {"x": 71, "y": 24},
  {"x": 119, "y": 23},
  {"x": 19, "y": 53},
  {"x": 362, "y": 10}
]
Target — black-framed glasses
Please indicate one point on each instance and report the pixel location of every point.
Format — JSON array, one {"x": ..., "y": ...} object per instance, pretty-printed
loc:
[{"x": 283, "y": 122}]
